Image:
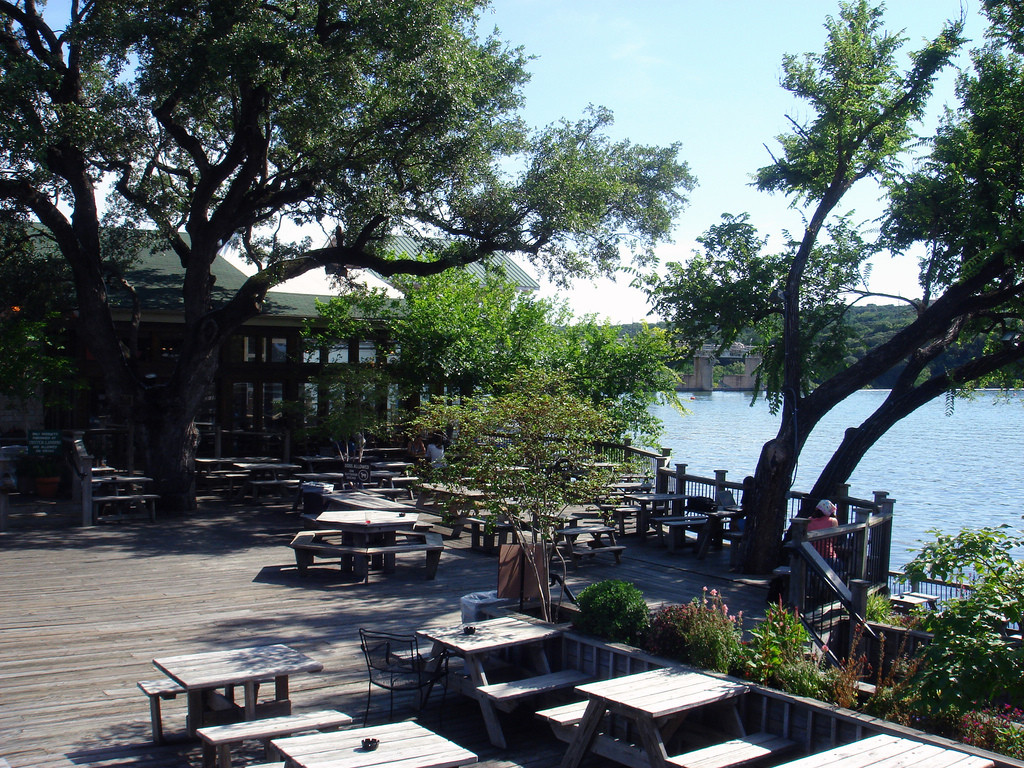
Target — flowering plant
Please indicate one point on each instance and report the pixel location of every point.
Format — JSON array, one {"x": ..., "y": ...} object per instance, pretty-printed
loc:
[
  {"x": 702, "y": 633},
  {"x": 995, "y": 729}
]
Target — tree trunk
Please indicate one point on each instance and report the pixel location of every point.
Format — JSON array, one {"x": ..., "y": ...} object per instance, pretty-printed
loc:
[
  {"x": 762, "y": 541},
  {"x": 168, "y": 438}
]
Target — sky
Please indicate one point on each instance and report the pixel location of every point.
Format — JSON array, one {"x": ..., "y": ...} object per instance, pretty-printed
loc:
[{"x": 704, "y": 73}]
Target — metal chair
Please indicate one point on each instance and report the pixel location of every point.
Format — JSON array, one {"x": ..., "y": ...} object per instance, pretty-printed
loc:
[{"x": 394, "y": 663}]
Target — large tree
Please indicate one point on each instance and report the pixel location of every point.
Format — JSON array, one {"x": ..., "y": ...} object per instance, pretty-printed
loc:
[
  {"x": 864, "y": 107},
  {"x": 216, "y": 123}
]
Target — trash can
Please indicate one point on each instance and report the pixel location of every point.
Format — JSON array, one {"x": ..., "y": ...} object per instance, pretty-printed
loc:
[
  {"x": 313, "y": 497},
  {"x": 474, "y": 603}
]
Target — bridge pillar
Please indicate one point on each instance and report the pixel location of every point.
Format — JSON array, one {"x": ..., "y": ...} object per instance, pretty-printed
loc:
[{"x": 702, "y": 367}]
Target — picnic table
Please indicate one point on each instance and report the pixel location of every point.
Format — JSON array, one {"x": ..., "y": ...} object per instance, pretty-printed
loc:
[
  {"x": 407, "y": 744},
  {"x": 119, "y": 496},
  {"x": 655, "y": 703},
  {"x": 455, "y": 504},
  {"x": 649, "y": 503},
  {"x": 479, "y": 646},
  {"x": 201, "y": 674},
  {"x": 887, "y": 751},
  {"x": 366, "y": 539}
]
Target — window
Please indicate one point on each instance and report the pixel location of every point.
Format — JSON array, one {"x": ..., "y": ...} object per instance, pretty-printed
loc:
[
  {"x": 243, "y": 402},
  {"x": 277, "y": 351}
]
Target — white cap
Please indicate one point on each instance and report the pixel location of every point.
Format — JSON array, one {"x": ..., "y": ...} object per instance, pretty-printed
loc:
[{"x": 826, "y": 507}]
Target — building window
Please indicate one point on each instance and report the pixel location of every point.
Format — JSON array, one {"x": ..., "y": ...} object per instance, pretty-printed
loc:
[
  {"x": 243, "y": 404},
  {"x": 277, "y": 350},
  {"x": 367, "y": 351},
  {"x": 338, "y": 354}
]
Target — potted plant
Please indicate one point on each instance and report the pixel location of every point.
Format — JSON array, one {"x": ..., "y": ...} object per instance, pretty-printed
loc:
[{"x": 44, "y": 471}]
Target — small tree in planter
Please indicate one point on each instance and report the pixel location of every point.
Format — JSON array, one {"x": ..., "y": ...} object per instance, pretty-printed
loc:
[
  {"x": 613, "y": 610},
  {"x": 532, "y": 450}
]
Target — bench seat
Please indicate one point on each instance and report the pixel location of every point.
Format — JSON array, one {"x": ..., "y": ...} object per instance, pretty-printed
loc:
[
  {"x": 674, "y": 528},
  {"x": 564, "y": 718},
  {"x": 533, "y": 686},
  {"x": 217, "y": 739},
  {"x": 741, "y": 751},
  {"x": 310, "y": 544},
  {"x": 129, "y": 506},
  {"x": 157, "y": 690}
]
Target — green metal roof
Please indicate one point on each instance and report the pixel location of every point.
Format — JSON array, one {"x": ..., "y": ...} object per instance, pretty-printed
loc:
[
  {"x": 156, "y": 278},
  {"x": 411, "y": 247}
]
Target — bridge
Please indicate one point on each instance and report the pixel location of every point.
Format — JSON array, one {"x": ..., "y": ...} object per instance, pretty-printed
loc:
[{"x": 701, "y": 380}]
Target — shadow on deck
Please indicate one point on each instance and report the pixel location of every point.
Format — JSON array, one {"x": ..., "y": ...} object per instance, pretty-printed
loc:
[{"x": 83, "y": 611}]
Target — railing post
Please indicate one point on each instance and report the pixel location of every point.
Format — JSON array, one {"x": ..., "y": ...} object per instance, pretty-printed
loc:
[
  {"x": 719, "y": 483},
  {"x": 797, "y": 566},
  {"x": 885, "y": 506},
  {"x": 843, "y": 503},
  {"x": 861, "y": 516},
  {"x": 860, "y": 588},
  {"x": 660, "y": 480},
  {"x": 680, "y": 478}
]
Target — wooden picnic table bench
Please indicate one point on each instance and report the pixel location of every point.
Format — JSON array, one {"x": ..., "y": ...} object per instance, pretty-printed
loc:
[
  {"x": 600, "y": 540},
  {"x": 328, "y": 543}
]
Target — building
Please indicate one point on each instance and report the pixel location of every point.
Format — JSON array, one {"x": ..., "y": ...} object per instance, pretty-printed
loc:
[{"x": 268, "y": 362}]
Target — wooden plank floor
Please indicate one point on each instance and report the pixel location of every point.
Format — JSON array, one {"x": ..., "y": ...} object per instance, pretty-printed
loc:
[{"x": 83, "y": 611}]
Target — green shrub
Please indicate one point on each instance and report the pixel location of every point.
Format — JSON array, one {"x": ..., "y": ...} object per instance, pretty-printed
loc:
[
  {"x": 701, "y": 633},
  {"x": 612, "y": 610},
  {"x": 778, "y": 655}
]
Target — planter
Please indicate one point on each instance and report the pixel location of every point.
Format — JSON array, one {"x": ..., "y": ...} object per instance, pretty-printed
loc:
[{"x": 46, "y": 487}]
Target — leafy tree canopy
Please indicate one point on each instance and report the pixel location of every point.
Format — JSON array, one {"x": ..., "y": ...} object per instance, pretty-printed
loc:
[
  {"x": 229, "y": 123},
  {"x": 455, "y": 333}
]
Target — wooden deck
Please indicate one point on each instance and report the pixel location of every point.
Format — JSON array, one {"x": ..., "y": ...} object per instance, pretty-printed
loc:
[{"x": 83, "y": 611}]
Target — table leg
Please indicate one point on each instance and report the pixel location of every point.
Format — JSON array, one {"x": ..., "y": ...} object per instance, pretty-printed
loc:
[
  {"x": 585, "y": 733},
  {"x": 250, "y": 699},
  {"x": 651, "y": 741},
  {"x": 477, "y": 676},
  {"x": 194, "y": 719}
]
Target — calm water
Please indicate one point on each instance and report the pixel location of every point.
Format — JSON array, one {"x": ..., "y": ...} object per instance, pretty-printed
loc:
[{"x": 945, "y": 472}]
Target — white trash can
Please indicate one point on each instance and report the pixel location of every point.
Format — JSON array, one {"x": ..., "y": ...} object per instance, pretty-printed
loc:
[{"x": 473, "y": 604}]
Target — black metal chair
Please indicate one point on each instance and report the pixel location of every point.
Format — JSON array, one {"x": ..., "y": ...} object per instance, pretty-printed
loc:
[{"x": 395, "y": 663}]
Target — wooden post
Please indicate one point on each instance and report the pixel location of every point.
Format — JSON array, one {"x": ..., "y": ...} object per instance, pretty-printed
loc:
[
  {"x": 843, "y": 503},
  {"x": 861, "y": 516},
  {"x": 720, "y": 482},
  {"x": 797, "y": 566},
  {"x": 660, "y": 480},
  {"x": 83, "y": 470}
]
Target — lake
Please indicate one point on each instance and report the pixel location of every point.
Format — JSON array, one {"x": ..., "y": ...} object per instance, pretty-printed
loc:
[{"x": 946, "y": 472}]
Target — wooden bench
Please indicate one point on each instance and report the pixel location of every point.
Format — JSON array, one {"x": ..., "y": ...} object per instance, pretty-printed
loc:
[
  {"x": 255, "y": 488},
  {"x": 488, "y": 536},
  {"x": 565, "y": 718},
  {"x": 218, "y": 739},
  {"x": 741, "y": 751},
  {"x": 602, "y": 541},
  {"x": 674, "y": 527},
  {"x": 311, "y": 544},
  {"x": 512, "y": 691},
  {"x": 157, "y": 690},
  {"x": 129, "y": 506}
]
